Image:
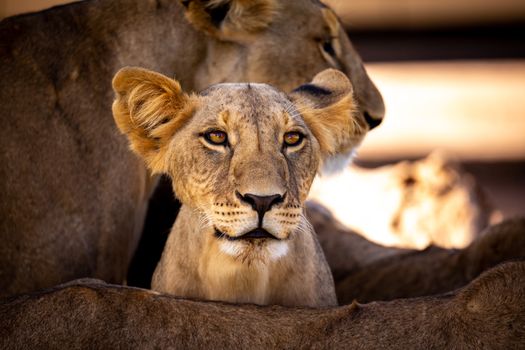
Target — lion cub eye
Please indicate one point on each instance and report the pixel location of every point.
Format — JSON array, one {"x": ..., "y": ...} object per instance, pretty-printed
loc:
[
  {"x": 293, "y": 138},
  {"x": 216, "y": 137}
]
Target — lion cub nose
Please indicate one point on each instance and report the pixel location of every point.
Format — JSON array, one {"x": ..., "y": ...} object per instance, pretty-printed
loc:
[{"x": 261, "y": 204}]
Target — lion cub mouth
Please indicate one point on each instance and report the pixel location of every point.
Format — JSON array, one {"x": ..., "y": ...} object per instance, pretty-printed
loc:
[{"x": 258, "y": 233}]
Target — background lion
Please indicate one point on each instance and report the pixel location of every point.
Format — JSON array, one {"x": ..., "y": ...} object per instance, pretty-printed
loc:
[{"x": 73, "y": 197}]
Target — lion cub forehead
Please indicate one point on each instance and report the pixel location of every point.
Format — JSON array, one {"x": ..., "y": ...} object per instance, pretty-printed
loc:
[
  {"x": 238, "y": 87},
  {"x": 240, "y": 95},
  {"x": 232, "y": 103}
]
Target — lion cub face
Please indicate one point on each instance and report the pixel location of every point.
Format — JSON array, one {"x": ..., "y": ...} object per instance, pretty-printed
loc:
[
  {"x": 251, "y": 163},
  {"x": 242, "y": 155}
]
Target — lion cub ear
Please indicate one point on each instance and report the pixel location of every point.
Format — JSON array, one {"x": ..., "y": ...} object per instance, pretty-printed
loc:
[
  {"x": 230, "y": 20},
  {"x": 149, "y": 108},
  {"x": 329, "y": 109}
]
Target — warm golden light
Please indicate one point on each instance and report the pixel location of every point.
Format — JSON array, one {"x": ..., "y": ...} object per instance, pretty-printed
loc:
[{"x": 472, "y": 109}]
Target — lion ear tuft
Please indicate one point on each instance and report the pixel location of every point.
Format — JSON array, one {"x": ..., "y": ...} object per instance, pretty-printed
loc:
[
  {"x": 329, "y": 109},
  {"x": 229, "y": 20},
  {"x": 149, "y": 108}
]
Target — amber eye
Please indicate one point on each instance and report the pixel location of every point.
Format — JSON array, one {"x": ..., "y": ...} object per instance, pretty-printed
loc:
[
  {"x": 293, "y": 138},
  {"x": 216, "y": 137}
]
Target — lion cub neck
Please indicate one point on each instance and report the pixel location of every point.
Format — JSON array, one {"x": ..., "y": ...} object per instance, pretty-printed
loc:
[
  {"x": 232, "y": 280},
  {"x": 196, "y": 264}
]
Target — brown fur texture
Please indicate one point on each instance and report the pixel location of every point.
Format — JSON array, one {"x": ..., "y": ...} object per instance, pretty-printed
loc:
[
  {"x": 73, "y": 196},
  {"x": 489, "y": 313},
  {"x": 204, "y": 257},
  {"x": 243, "y": 17},
  {"x": 369, "y": 272}
]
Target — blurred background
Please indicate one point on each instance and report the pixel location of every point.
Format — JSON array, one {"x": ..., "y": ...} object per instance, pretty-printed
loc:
[{"x": 452, "y": 74}]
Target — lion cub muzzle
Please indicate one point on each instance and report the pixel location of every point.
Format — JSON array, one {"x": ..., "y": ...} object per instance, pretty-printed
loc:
[
  {"x": 256, "y": 217},
  {"x": 259, "y": 238},
  {"x": 261, "y": 204}
]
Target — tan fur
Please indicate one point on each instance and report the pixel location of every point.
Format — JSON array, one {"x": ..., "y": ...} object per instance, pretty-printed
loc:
[
  {"x": 210, "y": 180},
  {"x": 489, "y": 313},
  {"x": 332, "y": 124},
  {"x": 145, "y": 111},
  {"x": 73, "y": 197}
]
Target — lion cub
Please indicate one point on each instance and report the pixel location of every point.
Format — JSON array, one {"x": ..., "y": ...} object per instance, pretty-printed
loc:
[{"x": 241, "y": 158}]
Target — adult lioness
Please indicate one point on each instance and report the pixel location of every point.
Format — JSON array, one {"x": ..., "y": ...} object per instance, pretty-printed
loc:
[
  {"x": 73, "y": 197},
  {"x": 489, "y": 313},
  {"x": 242, "y": 158}
]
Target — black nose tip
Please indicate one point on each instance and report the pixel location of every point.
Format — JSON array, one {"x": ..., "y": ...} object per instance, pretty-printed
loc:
[
  {"x": 371, "y": 121},
  {"x": 261, "y": 204}
]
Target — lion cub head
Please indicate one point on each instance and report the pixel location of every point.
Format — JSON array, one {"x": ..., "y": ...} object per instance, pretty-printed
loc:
[
  {"x": 242, "y": 158},
  {"x": 242, "y": 155}
]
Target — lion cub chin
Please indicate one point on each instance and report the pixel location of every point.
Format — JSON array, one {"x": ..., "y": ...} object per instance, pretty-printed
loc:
[{"x": 241, "y": 158}]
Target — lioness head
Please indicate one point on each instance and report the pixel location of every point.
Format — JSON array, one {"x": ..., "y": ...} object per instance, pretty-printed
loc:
[
  {"x": 242, "y": 155},
  {"x": 279, "y": 42}
]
